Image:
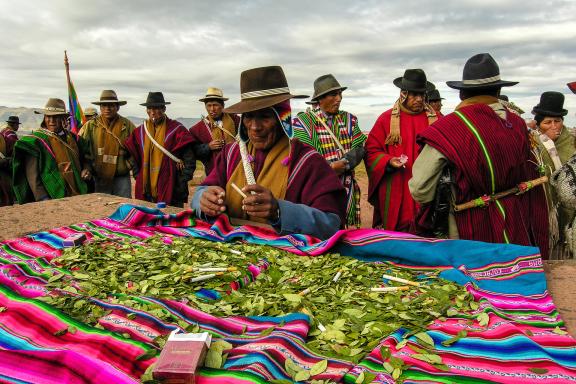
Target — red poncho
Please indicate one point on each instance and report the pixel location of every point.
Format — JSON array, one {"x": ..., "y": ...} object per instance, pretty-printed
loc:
[
  {"x": 517, "y": 219},
  {"x": 176, "y": 139},
  {"x": 202, "y": 134},
  {"x": 394, "y": 208}
]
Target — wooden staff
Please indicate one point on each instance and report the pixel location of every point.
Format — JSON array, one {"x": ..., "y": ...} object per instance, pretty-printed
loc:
[{"x": 517, "y": 190}]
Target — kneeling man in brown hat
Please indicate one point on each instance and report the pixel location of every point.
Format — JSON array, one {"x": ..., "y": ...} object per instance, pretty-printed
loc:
[
  {"x": 486, "y": 149},
  {"x": 49, "y": 163},
  {"x": 163, "y": 156},
  {"x": 391, "y": 150},
  {"x": 267, "y": 176},
  {"x": 107, "y": 156}
]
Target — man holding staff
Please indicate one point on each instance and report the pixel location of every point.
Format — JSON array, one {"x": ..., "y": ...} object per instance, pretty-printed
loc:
[{"x": 487, "y": 150}]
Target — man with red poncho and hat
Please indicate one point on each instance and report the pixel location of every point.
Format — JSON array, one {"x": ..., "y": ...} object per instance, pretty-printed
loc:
[
  {"x": 163, "y": 155},
  {"x": 391, "y": 150},
  {"x": 487, "y": 149}
]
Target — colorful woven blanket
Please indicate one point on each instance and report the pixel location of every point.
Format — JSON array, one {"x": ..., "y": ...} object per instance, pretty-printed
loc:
[{"x": 523, "y": 341}]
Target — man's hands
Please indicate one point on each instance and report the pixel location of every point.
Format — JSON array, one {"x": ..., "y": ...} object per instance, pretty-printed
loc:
[
  {"x": 216, "y": 145},
  {"x": 339, "y": 166},
  {"x": 261, "y": 203},
  {"x": 86, "y": 174},
  {"x": 398, "y": 162},
  {"x": 213, "y": 201}
]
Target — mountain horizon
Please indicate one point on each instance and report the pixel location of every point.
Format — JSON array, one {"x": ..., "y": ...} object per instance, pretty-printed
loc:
[{"x": 31, "y": 120}]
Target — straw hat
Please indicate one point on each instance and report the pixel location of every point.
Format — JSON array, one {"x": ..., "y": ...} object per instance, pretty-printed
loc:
[
  {"x": 90, "y": 111},
  {"x": 213, "y": 94}
]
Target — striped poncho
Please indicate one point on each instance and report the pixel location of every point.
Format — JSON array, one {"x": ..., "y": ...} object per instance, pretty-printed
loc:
[
  {"x": 38, "y": 145},
  {"x": 309, "y": 129}
]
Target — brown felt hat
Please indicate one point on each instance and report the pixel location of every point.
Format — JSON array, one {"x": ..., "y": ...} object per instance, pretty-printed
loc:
[
  {"x": 325, "y": 84},
  {"x": 213, "y": 93},
  {"x": 108, "y": 96},
  {"x": 53, "y": 107},
  {"x": 262, "y": 88}
]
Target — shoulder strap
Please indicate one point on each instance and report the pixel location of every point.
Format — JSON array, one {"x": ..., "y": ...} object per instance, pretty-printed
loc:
[
  {"x": 164, "y": 150},
  {"x": 476, "y": 134},
  {"x": 329, "y": 131}
]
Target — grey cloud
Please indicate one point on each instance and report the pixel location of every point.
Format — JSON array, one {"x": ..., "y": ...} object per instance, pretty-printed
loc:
[{"x": 180, "y": 47}]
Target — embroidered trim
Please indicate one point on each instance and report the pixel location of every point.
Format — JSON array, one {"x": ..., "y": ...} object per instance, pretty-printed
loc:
[
  {"x": 299, "y": 165},
  {"x": 265, "y": 92},
  {"x": 481, "y": 81}
]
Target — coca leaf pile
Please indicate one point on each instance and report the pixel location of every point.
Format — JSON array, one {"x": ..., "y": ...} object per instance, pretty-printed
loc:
[{"x": 348, "y": 320}]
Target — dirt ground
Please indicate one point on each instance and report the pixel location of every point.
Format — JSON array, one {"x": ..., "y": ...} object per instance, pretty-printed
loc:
[{"x": 16, "y": 221}]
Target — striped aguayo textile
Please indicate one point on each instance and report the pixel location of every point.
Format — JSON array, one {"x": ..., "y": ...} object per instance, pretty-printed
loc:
[{"x": 509, "y": 283}]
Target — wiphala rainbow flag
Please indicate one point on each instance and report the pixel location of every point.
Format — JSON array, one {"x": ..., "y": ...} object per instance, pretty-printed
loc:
[{"x": 523, "y": 338}]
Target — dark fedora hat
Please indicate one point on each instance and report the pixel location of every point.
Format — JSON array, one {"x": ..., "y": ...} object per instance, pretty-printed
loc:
[
  {"x": 13, "y": 120},
  {"x": 155, "y": 99},
  {"x": 551, "y": 104},
  {"x": 434, "y": 95},
  {"x": 108, "y": 96},
  {"x": 503, "y": 97},
  {"x": 262, "y": 88},
  {"x": 414, "y": 80},
  {"x": 326, "y": 84},
  {"x": 481, "y": 71}
]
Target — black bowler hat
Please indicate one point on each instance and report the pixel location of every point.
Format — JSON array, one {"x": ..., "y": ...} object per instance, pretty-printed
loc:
[
  {"x": 434, "y": 95},
  {"x": 155, "y": 99},
  {"x": 414, "y": 80},
  {"x": 480, "y": 72},
  {"x": 13, "y": 120},
  {"x": 551, "y": 104}
]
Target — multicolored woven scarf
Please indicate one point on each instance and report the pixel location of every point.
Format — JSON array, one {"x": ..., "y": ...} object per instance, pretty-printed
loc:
[
  {"x": 394, "y": 137},
  {"x": 522, "y": 340}
]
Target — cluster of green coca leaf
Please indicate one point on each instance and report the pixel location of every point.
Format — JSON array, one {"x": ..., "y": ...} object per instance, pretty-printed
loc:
[{"x": 347, "y": 319}]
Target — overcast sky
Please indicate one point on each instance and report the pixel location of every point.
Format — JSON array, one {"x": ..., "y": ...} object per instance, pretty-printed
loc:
[{"x": 182, "y": 47}]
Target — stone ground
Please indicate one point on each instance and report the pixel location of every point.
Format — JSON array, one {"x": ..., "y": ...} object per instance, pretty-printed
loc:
[{"x": 16, "y": 221}]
